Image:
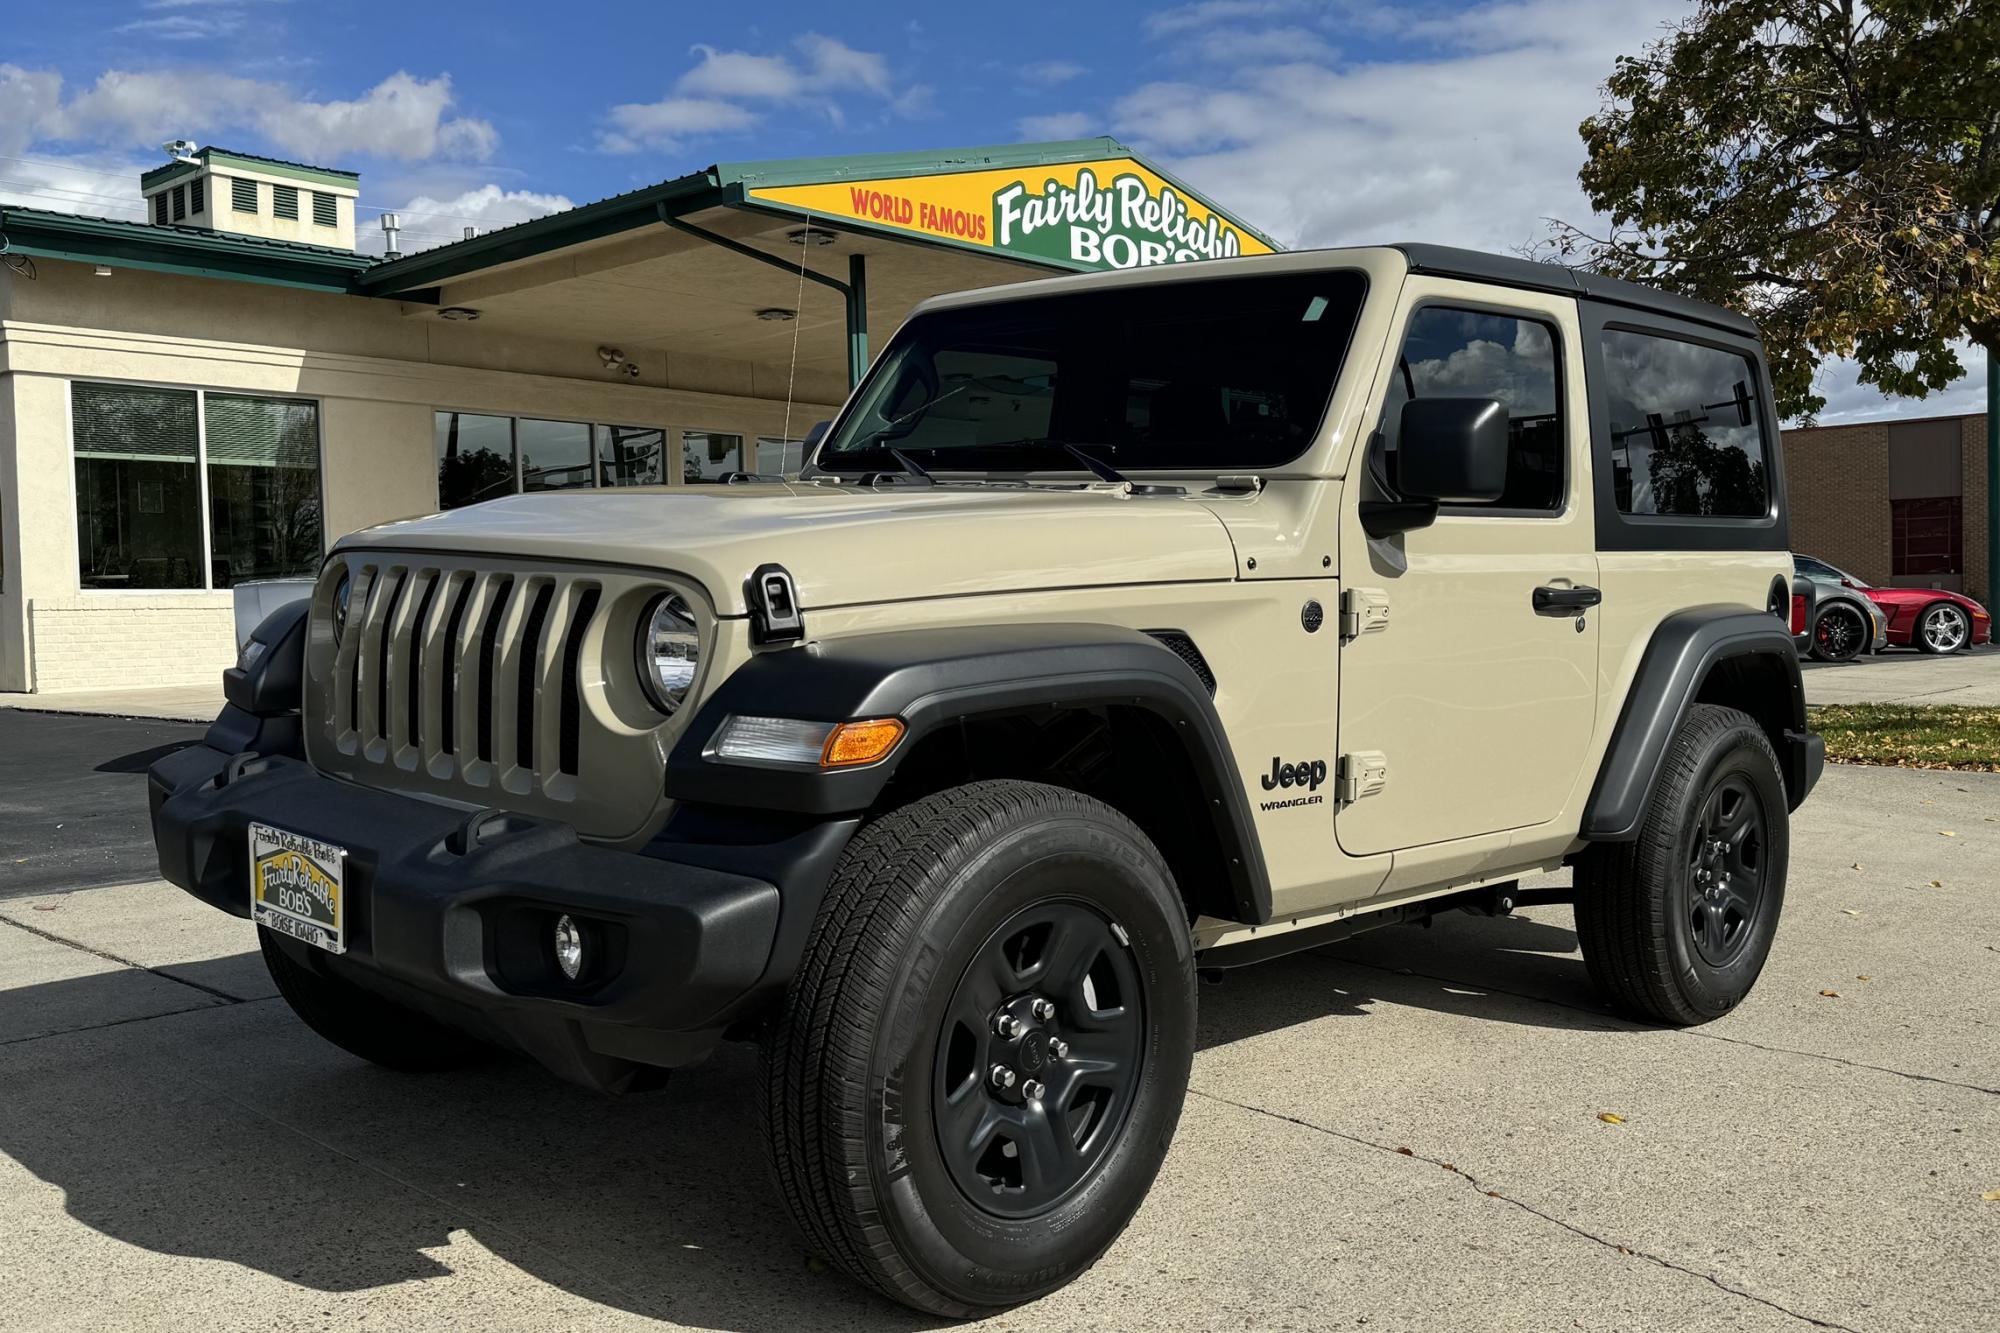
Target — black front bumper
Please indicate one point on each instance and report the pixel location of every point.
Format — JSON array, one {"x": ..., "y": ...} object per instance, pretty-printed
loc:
[{"x": 453, "y": 914}]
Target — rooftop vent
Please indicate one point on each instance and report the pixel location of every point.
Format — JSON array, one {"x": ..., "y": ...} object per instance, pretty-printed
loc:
[{"x": 246, "y": 194}]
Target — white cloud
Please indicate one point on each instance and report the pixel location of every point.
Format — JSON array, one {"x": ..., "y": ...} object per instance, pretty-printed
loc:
[
  {"x": 1208, "y": 13},
  {"x": 728, "y": 92},
  {"x": 185, "y": 27},
  {"x": 1059, "y": 125},
  {"x": 430, "y": 222},
  {"x": 402, "y": 117},
  {"x": 1847, "y": 399},
  {"x": 102, "y": 185},
  {"x": 1049, "y": 73}
]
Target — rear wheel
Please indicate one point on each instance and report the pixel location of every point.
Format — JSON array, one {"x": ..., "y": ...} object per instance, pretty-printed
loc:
[
  {"x": 1943, "y": 628},
  {"x": 983, "y": 1057},
  {"x": 1839, "y": 634},
  {"x": 1676, "y": 925},
  {"x": 363, "y": 1023}
]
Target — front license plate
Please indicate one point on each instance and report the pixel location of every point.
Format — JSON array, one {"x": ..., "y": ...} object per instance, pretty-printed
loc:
[{"x": 296, "y": 886}]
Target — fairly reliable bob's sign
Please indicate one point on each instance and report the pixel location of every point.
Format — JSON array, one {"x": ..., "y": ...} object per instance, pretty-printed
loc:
[{"x": 1106, "y": 214}]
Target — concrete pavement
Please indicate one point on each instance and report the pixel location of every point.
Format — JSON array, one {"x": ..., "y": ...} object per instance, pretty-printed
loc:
[
  {"x": 1970, "y": 679},
  {"x": 177, "y": 1151}
]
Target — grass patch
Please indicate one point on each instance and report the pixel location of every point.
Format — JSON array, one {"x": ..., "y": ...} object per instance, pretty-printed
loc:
[{"x": 1910, "y": 735}]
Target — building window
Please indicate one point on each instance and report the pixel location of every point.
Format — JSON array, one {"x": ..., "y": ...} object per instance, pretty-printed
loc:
[
  {"x": 197, "y": 195},
  {"x": 1687, "y": 428},
  {"x": 285, "y": 201},
  {"x": 326, "y": 212},
  {"x": 243, "y": 195},
  {"x": 1451, "y": 353},
  {"x": 180, "y": 202},
  {"x": 706, "y": 455},
  {"x": 555, "y": 455},
  {"x": 147, "y": 460},
  {"x": 1927, "y": 537},
  {"x": 160, "y": 204},
  {"x": 781, "y": 457},
  {"x": 475, "y": 458},
  {"x": 631, "y": 456}
]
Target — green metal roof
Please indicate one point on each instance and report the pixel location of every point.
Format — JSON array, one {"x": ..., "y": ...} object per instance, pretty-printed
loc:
[
  {"x": 214, "y": 157},
  {"x": 190, "y": 250}
]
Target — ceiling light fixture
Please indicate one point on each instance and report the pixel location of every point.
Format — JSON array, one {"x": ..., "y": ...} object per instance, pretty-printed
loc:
[
  {"x": 464, "y": 312},
  {"x": 815, "y": 236},
  {"x": 777, "y": 313},
  {"x": 104, "y": 270}
]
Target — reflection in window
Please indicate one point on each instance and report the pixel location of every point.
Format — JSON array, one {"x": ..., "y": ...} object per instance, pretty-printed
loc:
[
  {"x": 631, "y": 456},
  {"x": 780, "y": 457},
  {"x": 1471, "y": 354},
  {"x": 475, "y": 458},
  {"x": 138, "y": 493},
  {"x": 555, "y": 455},
  {"x": 263, "y": 487},
  {"x": 707, "y": 455},
  {"x": 1687, "y": 429}
]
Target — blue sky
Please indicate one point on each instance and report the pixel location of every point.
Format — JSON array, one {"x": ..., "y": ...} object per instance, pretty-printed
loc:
[{"x": 1318, "y": 121}]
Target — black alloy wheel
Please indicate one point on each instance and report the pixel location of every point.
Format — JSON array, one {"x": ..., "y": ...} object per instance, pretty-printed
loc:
[
  {"x": 1038, "y": 1058},
  {"x": 1726, "y": 868},
  {"x": 1839, "y": 634}
]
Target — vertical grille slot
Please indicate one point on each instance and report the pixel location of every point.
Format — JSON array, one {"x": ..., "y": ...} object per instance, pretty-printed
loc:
[
  {"x": 403, "y": 676},
  {"x": 569, "y": 735},
  {"x": 450, "y": 648},
  {"x": 372, "y": 660},
  {"x": 528, "y": 682},
  {"x": 489, "y": 649}
]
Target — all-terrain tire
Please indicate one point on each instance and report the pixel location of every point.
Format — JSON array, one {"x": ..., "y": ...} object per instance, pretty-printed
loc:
[
  {"x": 1661, "y": 941},
  {"x": 858, "y": 1070},
  {"x": 363, "y": 1023}
]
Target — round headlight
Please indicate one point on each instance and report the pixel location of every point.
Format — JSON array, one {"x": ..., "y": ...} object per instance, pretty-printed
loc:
[
  {"x": 341, "y": 590},
  {"x": 669, "y": 652}
]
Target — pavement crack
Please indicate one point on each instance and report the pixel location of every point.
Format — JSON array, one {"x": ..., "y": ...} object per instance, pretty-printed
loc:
[
  {"x": 1486, "y": 1191},
  {"x": 122, "y": 1022},
  {"x": 1632, "y": 1026},
  {"x": 108, "y": 957}
]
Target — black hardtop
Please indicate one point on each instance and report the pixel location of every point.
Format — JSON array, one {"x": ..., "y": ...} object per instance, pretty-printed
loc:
[{"x": 1509, "y": 271}]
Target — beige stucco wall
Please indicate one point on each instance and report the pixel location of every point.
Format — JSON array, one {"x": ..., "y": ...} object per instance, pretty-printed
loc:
[{"x": 379, "y": 370}]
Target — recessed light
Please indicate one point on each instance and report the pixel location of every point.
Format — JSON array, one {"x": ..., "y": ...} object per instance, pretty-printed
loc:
[
  {"x": 104, "y": 270},
  {"x": 458, "y": 312},
  {"x": 810, "y": 236},
  {"x": 777, "y": 312}
]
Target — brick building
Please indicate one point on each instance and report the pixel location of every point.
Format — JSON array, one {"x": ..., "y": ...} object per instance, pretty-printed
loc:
[{"x": 1900, "y": 503}]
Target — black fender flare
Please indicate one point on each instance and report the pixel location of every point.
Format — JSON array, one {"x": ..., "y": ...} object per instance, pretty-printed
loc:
[
  {"x": 1685, "y": 649},
  {"x": 262, "y": 693},
  {"x": 932, "y": 678}
]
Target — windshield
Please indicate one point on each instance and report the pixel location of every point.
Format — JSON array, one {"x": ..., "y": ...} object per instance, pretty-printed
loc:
[{"x": 1228, "y": 374}]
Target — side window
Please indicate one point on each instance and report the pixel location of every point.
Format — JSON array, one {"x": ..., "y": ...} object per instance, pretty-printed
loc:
[
  {"x": 1451, "y": 353},
  {"x": 1687, "y": 428}
]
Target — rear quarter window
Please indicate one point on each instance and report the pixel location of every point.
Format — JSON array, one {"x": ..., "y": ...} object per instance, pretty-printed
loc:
[{"x": 1687, "y": 428}]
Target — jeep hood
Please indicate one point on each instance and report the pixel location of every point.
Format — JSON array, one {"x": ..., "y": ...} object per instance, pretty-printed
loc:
[{"x": 844, "y": 545}]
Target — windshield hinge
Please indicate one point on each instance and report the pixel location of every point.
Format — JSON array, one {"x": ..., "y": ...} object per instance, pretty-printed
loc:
[{"x": 1239, "y": 483}]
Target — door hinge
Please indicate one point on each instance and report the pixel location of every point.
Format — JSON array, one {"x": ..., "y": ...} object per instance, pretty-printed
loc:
[
  {"x": 1363, "y": 611},
  {"x": 1362, "y": 773}
]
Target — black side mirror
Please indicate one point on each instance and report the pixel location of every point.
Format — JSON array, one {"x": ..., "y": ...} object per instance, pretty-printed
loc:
[
  {"x": 1449, "y": 451},
  {"x": 1453, "y": 450}
]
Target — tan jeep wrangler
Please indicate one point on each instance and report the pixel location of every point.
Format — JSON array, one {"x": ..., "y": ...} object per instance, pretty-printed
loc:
[{"x": 1121, "y": 627}]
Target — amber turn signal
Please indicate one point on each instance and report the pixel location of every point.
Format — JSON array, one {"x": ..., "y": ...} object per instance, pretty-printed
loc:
[{"x": 855, "y": 743}]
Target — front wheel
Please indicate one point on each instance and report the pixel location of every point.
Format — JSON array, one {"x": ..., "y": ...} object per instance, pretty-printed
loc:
[
  {"x": 1943, "y": 629},
  {"x": 982, "y": 1059},
  {"x": 1676, "y": 925},
  {"x": 1840, "y": 633}
]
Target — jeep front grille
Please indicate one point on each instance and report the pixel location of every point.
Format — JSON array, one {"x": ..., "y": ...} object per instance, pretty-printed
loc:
[{"x": 463, "y": 678}]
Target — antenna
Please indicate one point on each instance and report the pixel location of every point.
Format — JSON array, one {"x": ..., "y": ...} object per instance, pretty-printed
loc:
[
  {"x": 391, "y": 225},
  {"x": 181, "y": 150}
]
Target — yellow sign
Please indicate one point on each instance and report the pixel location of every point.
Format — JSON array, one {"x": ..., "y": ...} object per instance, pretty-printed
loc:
[{"x": 1112, "y": 213}]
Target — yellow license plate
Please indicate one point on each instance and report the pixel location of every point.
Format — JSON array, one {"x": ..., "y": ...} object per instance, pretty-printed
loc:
[{"x": 296, "y": 886}]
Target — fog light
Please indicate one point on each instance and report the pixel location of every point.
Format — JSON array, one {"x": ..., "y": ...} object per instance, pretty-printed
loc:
[{"x": 569, "y": 948}]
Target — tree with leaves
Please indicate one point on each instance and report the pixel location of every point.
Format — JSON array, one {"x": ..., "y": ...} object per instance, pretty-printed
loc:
[{"x": 1828, "y": 167}]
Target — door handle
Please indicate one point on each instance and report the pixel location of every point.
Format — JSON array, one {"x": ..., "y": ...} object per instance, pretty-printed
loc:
[{"x": 1551, "y": 600}]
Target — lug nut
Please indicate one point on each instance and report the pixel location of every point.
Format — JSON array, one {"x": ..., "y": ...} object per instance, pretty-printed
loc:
[
  {"x": 1060, "y": 1048},
  {"x": 1003, "y": 1077},
  {"x": 1007, "y": 1025},
  {"x": 1033, "y": 1089},
  {"x": 1043, "y": 1008}
]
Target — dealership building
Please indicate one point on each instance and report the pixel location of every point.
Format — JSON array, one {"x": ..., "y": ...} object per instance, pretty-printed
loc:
[{"x": 201, "y": 401}]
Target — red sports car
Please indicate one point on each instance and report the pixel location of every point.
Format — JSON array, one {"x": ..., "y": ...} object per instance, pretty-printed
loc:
[{"x": 1931, "y": 619}]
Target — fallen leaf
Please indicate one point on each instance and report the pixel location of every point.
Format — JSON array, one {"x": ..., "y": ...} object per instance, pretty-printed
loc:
[
  {"x": 1611, "y": 1117},
  {"x": 1849, "y": 911},
  {"x": 1864, "y": 977},
  {"x": 1406, "y": 1152},
  {"x": 1623, "y": 1250},
  {"x": 1937, "y": 883},
  {"x": 48, "y": 907},
  {"x": 1946, "y": 833},
  {"x": 1448, "y": 1166},
  {"x": 1991, "y": 1196},
  {"x": 1831, "y": 994},
  {"x": 1493, "y": 1194},
  {"x": 1857, "y": 865}
]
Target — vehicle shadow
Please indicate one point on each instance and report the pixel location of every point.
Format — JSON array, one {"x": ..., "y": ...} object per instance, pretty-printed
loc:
[{"x": 233, "y": 1133}]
